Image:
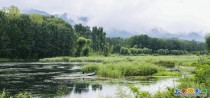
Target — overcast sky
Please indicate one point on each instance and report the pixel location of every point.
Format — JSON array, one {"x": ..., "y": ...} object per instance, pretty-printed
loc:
[{"x": 129, "y": 15}]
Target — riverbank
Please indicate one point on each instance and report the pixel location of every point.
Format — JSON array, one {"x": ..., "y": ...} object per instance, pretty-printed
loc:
[
  {"x": 114, "y": 71},
  {"x": 10, "y": 60},
  {"x": 183, "y": 60}
]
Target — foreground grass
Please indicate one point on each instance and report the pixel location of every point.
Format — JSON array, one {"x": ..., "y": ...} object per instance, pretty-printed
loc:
[
  {"x": 135, "y": 92},
  {"x": 170, "y": 60},
  {"x": 20, "y": 95},
  {"x": 167, "y": 73},
  {"x": 120, "y": 69}
]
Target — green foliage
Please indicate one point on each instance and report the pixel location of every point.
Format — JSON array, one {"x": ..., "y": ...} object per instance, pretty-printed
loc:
[
  {"x": 34, "y": 36},
  {"x": 166, "y": 73},
  {"x": 119, "y": 69},
  {"x": 106, "y": 49},
  {"x": 81, "y": 41},
  {"x": 166, "y": 63},
  {"x": 86, "y": 51},
  {"x": 4, "y": 94},
  {"x": 207, "y": 38},
  {"x": 177, "y": 52},
  {"x": 163, "y": 51},
  {"x": 116, "y": 42},
  {"x": 165, "y": 94},
  {"x": 83, "y": 46},
  {"x": 138, "y": 93},
  {"x": 36, "y": 18},
  {"x": 144, "y": 41},
  {"x": 124, "y": 50},
  {"x": 203, "y": 70},
  {"x": 90, "y": 68},
  {"x": 109, "y": 72},
  {"x": 98, "y": 37},
  {"x": 12, "y": 12}
]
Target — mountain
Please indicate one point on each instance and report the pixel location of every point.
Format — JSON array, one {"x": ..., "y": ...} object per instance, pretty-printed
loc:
[
  {"x": 65, "y": 17},
  {"x": 119, "y": 33},
  {"x": 156, "y": 32},
  {"x": 160, "y": 33},
  {"x": 33, "y": 11}
]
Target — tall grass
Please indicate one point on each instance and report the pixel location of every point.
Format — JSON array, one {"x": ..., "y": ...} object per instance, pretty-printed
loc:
[
  {"x": 90, "y": 68},
  {"x": 4, "y": 94},
  {"x": 184, "y": 60},
  {"x": 166, "y": 63},
  {"x": 166, "y": 73},
  {"x": 116, "y": 70}
]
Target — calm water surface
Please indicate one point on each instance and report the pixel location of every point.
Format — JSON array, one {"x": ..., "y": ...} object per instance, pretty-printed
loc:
[{"x": 48, "y": 80}]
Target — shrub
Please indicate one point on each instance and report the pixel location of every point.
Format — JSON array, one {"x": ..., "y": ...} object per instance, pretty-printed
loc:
[
  {"x": 124, "y": 50},
  {"x": 118, "y": 69},
  {"x": 90, "y": 68},
  {"x": 106, "y": 72},
  {"x": 166, "y": 73},
  {"x": 86, "y": 51},
  {"x": 163, "y": 51},
  {"x": 166, "y": 63}
]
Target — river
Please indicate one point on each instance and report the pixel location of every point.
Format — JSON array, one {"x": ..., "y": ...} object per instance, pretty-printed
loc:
[{"x": 65, "y": 80}]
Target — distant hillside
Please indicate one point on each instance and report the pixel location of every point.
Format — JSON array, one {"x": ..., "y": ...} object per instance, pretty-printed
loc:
[
  {"x": 33, "y": 11},
  {"x": 160, "y": 33},
  {"x": 156, "y": 32}
]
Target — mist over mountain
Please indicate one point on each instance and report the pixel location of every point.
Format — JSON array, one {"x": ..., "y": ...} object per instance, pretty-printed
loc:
[
  {"x": 34, "y": 11},
  {"x": 155, "y": 32},
  {"x": 161, "y": 33},
  {"x": 64, "y": 16}
]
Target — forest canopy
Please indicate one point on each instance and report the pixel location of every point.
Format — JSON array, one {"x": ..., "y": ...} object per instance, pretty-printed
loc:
[{"x": 34, "y": 36}]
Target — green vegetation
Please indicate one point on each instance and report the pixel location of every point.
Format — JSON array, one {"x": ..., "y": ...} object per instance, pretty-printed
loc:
[
  {"x": 10, "y": 60},
  {"x": 183, "y": 60},
  {"x": 166, "y": 63},
  {"x": 166, "y": 73},
  {"x": 116, "y": 70},
  {"x": 35, "y": 36},
  {"x": 199, "y": 79},
  {"x": 143, "y": 44},
  {"x": 90, "y": 68},
  {"x": 20, "y": 95}
]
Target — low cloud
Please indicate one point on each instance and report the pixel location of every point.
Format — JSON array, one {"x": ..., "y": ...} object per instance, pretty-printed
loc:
[{"x": 175, "y": 16}]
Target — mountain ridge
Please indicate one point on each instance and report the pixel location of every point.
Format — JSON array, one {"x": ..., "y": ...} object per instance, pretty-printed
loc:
[{"x": 155, "y": 32}]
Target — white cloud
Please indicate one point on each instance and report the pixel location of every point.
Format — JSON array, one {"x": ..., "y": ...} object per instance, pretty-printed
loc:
[{"x": 129, "y": 15}]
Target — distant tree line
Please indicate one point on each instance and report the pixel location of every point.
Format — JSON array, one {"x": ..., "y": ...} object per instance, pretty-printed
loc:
[
  {"x": 143, "y": 44},
  {"x": 36, "y": 36}
]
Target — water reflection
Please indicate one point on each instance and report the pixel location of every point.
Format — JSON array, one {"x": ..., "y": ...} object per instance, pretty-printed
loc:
[{"x": 60, "y": 79}]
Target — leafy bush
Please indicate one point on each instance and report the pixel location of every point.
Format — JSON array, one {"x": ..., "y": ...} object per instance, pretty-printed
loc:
[
  {"x": 86, "y": 51},
  {"x": 90, "y": 68},
  {"x": 166, "y": 63},
  {"x": 106, "y": 72},
  {"x": 124, "y": 50},
  {"x": 138, "y": 93},
  {"x": 163, "y": 51}
]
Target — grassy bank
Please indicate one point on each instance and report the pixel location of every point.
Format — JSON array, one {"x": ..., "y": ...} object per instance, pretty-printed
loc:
[
  {"x": 4, "y": 94},
  {"x": 10, "y": 60},
  {"x": 170, "y": 60},
  {"x": 120, "y": 69}
]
